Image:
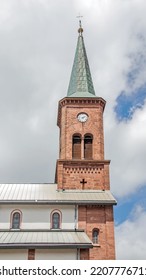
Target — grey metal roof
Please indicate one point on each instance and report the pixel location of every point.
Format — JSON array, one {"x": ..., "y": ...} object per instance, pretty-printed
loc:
[
  {"x": 48, "y": 193},
  {"x": 44, "y": 239}
]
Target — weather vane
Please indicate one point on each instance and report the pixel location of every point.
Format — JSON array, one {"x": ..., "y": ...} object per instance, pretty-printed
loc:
[{"x": 80, "y": 30}]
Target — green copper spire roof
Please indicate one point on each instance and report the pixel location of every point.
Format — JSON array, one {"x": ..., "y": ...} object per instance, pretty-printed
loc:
[{"x": 81, "y": 84}]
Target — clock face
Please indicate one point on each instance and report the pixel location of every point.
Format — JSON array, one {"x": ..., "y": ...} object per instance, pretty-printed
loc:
[{"x": 82, "y": 117}]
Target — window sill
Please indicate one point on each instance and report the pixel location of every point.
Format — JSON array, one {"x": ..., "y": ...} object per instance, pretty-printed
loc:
[
  {"x": 15, "y": 229},
  {"x": 55, "y": 229},
  {"x": 96, "y": 245}
]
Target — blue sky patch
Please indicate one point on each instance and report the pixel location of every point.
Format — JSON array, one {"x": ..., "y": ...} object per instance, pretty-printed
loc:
[
  {"x": 125, "y": 206},
  {"x": 126, "y": 105}
]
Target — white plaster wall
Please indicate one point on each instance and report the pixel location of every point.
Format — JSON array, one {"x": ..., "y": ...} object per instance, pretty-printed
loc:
[
  {"x": 13, "y": 254},
  {"x": 56, "y": 254},
  {"x": 40, "y": 254},
  {"x": 37, "y": 216}
]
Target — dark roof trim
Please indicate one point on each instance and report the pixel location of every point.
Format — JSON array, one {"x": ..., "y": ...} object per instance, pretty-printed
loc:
[
  {"x": 45, "y": 245},
  {"x": 42, "y": 230},
  {"x": 64, "y": 202}
]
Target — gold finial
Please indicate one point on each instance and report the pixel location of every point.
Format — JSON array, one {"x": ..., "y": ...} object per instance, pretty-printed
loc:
[{"x": 80, "y": 30}]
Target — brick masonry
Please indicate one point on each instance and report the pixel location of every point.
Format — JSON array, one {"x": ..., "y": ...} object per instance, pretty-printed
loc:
[
  {"x": 100, "y": 217},
  {"x": 71, "y": 173},
  {"x": 69, "y": 125},
  {"x": 84, "y": 254},
  {"x": 31, "y": 254},
  {"x": 94, "y": 172}
]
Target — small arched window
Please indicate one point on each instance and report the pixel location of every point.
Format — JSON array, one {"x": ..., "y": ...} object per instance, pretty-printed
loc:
[
  {"x": 76, "y": 146},
  {"x": 16, "y": 216},
  {"x": 95, "y": 234},
  {"x": 88, "y": 140},
  {"x": 56, "y": 220}
]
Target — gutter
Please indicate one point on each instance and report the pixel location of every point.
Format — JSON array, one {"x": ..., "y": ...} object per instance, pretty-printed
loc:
[
  {"x": 64, "y": 202},
  {"x": 45, "y": 246}
]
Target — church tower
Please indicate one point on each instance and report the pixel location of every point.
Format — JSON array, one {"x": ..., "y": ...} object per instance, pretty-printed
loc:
[
  {"x": 71, "y": 219},
  {"x": 81, "y": 166}
]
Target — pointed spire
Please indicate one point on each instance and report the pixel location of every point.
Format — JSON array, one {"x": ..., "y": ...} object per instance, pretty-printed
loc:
[{"x": 81, "y": 84}]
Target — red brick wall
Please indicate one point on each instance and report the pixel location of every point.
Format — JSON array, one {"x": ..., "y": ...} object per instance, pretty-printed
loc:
[
  {"x": 71, "y": 173},
  {"x": 95, "y": 172},
  {"x": 69, "y": 125},
  {"x": 101, "y": 217},
  {"x": 31, "y": 254},
  {"x": 84, "y": 254}
]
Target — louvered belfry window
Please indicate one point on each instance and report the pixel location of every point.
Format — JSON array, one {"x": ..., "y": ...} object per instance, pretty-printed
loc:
[
  {"x": 76, "y": 149},
  {"x": 88, "y": 140}
]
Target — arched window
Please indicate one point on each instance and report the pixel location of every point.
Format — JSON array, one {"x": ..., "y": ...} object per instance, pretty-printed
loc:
[
  {"x": 88, "y": 140},
  {"x": 76, "y": 146},
  {"x": 95, "y": 234},
  {"x": 15, "y": 220},
  {"x": 56, "y": 220}
]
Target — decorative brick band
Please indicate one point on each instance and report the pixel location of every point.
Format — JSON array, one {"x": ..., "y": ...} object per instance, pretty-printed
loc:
[{"x": 84, "y": 170}]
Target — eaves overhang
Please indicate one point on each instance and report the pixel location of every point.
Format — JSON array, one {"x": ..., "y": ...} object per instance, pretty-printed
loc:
[
  {"x": 63, "y": 202},
  {"x": 35, "y": 194},
  {"x": 45, "y": 246},
  {"x": 49, "y": 239}
]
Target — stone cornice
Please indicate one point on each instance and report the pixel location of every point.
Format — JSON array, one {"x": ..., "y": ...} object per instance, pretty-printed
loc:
[{"x": 83, "y": 162}]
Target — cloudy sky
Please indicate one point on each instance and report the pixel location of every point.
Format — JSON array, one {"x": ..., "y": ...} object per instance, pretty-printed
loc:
[{"x": 37, "y": 45}]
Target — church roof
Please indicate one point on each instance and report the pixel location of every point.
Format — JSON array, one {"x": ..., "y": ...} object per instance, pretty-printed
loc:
[
  {"x": 48, "y": 193},
  {"x": 44, "y": 239},
  {"x": 81, "y": 84}
]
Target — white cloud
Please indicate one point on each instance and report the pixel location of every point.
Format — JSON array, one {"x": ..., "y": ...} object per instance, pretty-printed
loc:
[
  {"x": 120, "y": 49},
  {"x": 125, "y": 143},
  {"x": 37, "y": 49},
  {"x": 130, "y": 237},
  {"x": 38, "y": 40}
]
